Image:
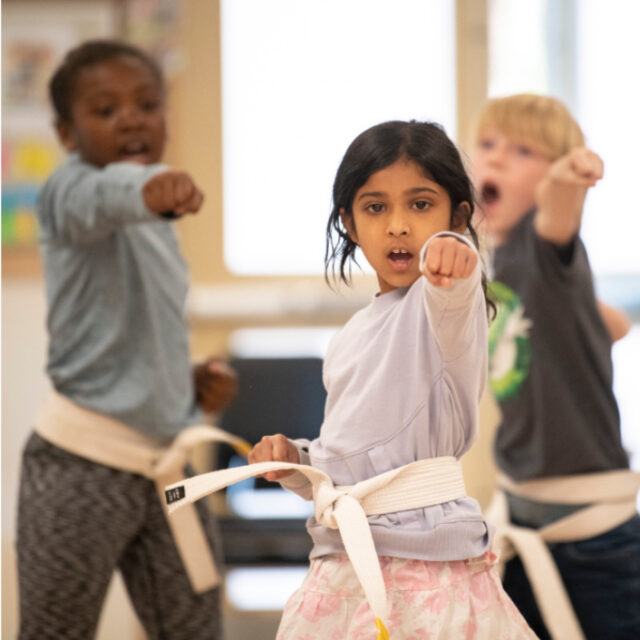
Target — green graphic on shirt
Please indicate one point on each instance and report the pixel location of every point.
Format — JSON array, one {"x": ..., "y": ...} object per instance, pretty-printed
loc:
[{"x": 509, "y": 345}]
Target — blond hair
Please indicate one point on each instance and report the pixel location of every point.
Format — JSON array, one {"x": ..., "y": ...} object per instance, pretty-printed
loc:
[{"x": 541, "y": 121}]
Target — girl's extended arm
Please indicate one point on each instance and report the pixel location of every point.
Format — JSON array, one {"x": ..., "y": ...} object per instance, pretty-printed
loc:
[{"x": 455, "y": 308}]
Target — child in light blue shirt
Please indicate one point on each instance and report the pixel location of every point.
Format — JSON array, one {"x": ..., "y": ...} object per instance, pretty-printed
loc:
[{"x": 118, "y": 349}]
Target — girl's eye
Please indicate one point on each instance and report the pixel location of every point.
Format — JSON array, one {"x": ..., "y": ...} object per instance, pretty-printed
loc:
[
  {"x": 421, "y": 205},
  {"x": 524, "y": 151},
  {"x": 376, "y": 207}
]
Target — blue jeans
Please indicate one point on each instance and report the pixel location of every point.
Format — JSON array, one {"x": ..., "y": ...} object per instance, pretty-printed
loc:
[{"x": 602, "y": 578}]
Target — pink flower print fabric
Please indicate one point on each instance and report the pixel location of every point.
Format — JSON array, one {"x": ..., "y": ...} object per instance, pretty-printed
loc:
[{"x": 461, "y": 600}]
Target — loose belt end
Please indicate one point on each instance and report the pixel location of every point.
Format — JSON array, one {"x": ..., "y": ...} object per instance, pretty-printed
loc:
[
  {"x": 242, "y": 447},
  {"x": 383, "y": 634}
]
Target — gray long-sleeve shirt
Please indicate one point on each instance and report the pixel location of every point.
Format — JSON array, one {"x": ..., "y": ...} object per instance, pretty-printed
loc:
[
  {"x": 404, "y": 378},
  {"x": 116, "y": 286}
]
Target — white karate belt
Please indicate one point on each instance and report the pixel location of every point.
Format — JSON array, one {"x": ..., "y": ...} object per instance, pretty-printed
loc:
[
  {"x": 101, "y": 439},
  {"x": 611, "y": 499},
  {"x": 416, "y": 485}
]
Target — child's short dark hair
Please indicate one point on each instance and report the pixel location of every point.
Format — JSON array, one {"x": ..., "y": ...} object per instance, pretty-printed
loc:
[{"x": 62, "y": 83}]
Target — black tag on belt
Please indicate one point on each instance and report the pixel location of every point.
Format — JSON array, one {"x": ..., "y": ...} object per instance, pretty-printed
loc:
[{"x": 175, "y": 494}]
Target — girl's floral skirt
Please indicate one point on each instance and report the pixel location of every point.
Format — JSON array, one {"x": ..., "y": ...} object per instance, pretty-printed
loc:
[{"x": 460, "y": 600}]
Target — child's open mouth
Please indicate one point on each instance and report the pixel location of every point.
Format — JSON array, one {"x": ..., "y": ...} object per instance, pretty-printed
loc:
[
  {"x": 489, "y": 193},
  {"x": 133, "y": 150},
  {"x": 399, "y": 258}
]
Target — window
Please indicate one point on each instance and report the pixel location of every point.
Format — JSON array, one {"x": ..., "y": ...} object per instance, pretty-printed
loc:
[
  {"x": 607, "y": 108},
  {"x": 299, "y": 81},
  {"x": 518, "y": 59}
]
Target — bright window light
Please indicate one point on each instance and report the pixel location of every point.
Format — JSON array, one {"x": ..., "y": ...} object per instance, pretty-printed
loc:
[
  {"x": 607, "y": 111},
  {"x": 281, "y": 342},
  {"x": 262, "y": 588},
  {"x": 625, "y": 384},
  {"x": 247, "y": 502},
  {"x": 518, "y": 58},
  {"x": 299, "y": 81}
]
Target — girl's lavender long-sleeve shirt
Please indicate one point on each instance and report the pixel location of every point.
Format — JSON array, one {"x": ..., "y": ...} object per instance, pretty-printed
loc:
[{"x": 404, "y": 379}]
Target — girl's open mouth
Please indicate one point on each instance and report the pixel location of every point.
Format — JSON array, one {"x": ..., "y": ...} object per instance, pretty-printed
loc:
[{"x": 399, "y": 258}]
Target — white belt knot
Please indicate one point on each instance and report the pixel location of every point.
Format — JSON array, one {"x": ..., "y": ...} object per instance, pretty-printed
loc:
[{"x": 326, "y": 499}]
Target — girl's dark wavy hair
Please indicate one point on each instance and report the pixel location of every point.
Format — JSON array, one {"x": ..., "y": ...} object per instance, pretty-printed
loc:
[
  {"x": 63, "y": 81},
  {"x": 424, "y": 143}
]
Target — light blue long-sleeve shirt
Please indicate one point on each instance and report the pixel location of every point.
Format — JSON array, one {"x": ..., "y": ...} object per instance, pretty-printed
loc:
[
  {"x": 116, "y": 285},
  {"x": 404, "y": 379}
]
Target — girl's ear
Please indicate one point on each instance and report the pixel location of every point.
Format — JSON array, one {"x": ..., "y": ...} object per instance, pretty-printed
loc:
[
  {"x": 460, "y": 217},
  {"x": 347, "y": 223},
  {"x": 65, "y": 135}
]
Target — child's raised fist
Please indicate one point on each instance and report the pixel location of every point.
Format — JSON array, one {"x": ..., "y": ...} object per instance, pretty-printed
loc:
[
  {"x": 561, "y": 193},
  {"x": 173, "y": 191},
  {"x": 580, "y": 166},
  {"x": 448, "y": 259}
]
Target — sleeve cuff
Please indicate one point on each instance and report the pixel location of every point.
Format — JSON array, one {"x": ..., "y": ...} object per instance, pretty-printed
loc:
[
  {"x": 298, "y": 481},
  {"x": 444, "y": 234},
  {"x": 138, "y": 175}
]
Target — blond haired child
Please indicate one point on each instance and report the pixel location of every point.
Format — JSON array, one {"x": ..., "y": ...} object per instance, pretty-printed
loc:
[{"x": 551, "y": 370}]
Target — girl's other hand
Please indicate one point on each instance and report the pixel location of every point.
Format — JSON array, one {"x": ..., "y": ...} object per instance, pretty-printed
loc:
[
  {"x": 448, "y": 259},
  {"x": 172, "y": 191},
  {"x": 275, "y": 448},
  {"x": 215, "y": 383}
]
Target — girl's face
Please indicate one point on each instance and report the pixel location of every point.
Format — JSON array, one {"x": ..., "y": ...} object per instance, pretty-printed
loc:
[
  {"x": 394, "y": 213},
  {"x": 505, "y": 175},
  {"x": 117, "y": 114}
]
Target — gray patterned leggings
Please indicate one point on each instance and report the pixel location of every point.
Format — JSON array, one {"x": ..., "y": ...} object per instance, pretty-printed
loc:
[{"x": 79, "y": 521}]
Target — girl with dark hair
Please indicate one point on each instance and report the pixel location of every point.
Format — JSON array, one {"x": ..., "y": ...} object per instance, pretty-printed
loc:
[{"x": 397, "y": 542}]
